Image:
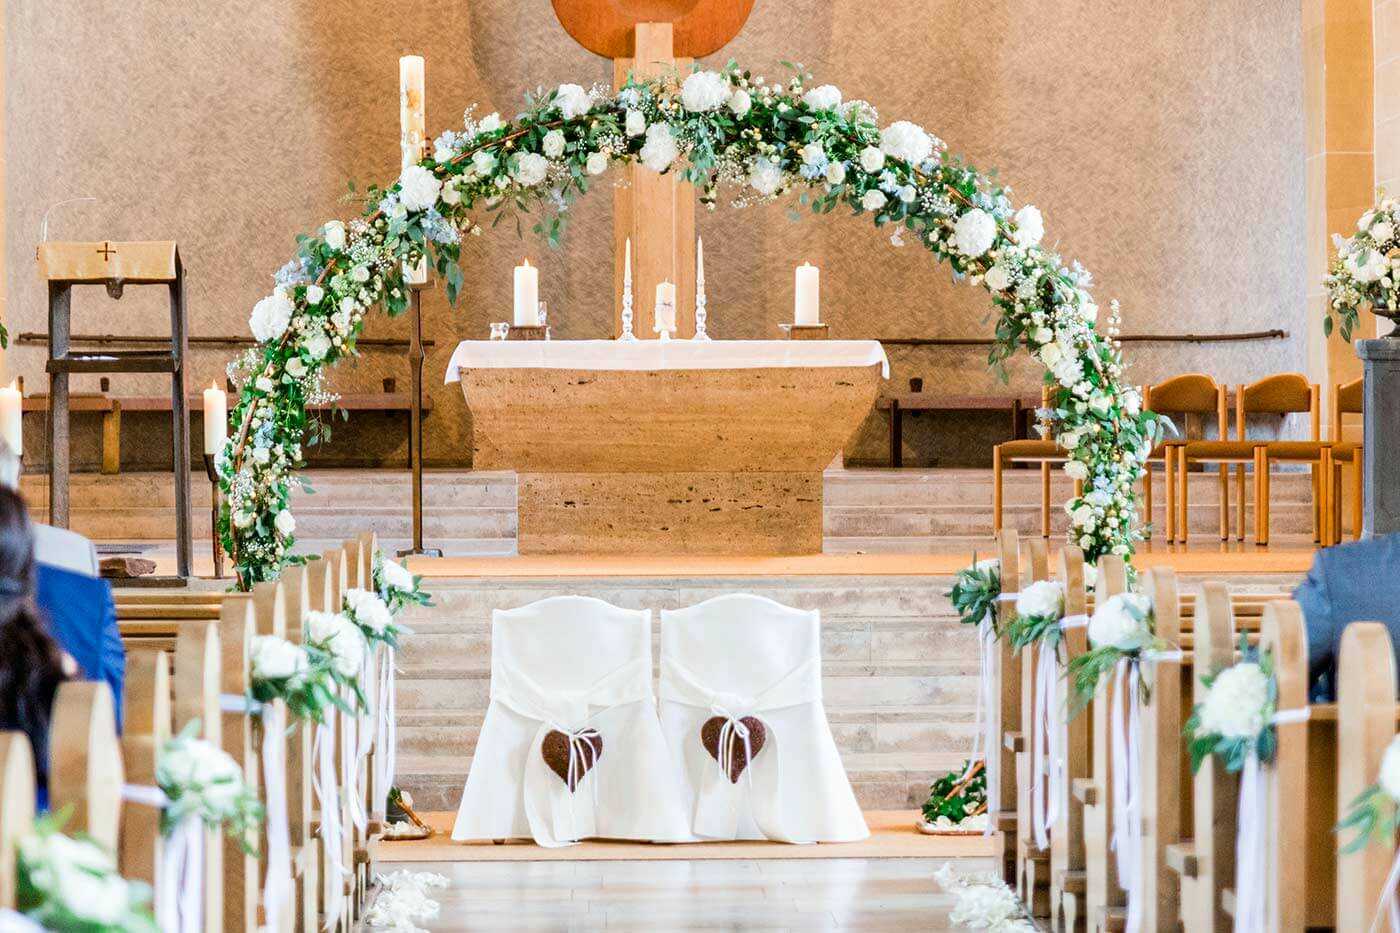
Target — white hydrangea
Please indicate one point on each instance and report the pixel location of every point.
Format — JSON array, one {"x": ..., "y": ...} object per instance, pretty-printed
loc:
[
  {"x": 1075, "y": 469},
  {"x": 339, "y": 637},
  {"x": 1030, "y": 226},
  {"x": 974, "y": 233},
  {"x": 553, "y": 144},
  {"x": 1123, "y": 621},
  {"x": 395, "y": 575},
  {"x": 334, "y": 232},
  {"x": 571, "y": 100},
  {"x": 873, "y": 200},
  {"x": 483, "y": 162},
  {"x": 489, "y": 123},
  {"x": 660, "y": 149},
  {"x": 765, "y": 176},
  {"x": 368, "y": 610},
  {"x": 1043, "y": 599},
  {"x": 530, "y": 169},
  {"x": 1234, "y": 706},
  {"x": 872, "y": 159},
  {"x": 907, "y": 141},
  {"x": 739, "y": 102},
  {"x": 704, "y": 91},
  {"x": 1390, "y": 770},
  {"x": 314, "y": 294},
  {"x": 271, "y": 316},
  {"x": 418, "y": 188},
  {"x": 274, "y": 658},
  {"x": 997, "y": 278},
  {"x": 1368, "y": 267},
  {"x": 826, "y": 97}
]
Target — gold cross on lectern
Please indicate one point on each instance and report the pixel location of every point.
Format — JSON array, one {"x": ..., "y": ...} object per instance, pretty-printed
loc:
[{"x": 106, "y": 251}]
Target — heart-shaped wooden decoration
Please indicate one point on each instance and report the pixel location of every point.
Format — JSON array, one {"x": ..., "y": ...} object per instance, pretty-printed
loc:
[
  {"x": 738, "y": 758},
  {"x": 555, "y": 752}
]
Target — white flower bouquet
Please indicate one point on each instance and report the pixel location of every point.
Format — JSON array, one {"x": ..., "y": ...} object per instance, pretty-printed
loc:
[
  {"x": 403, "y": 900},
  {"x": 975, "y": 591},
  {"x": 1121, "y": 628},
  {"x": 298, "y": 675},
  {"x": 1375, "y": 814},
  {"x": 396, "y": 586},
  {"x": 1366, "y": 272},
  {"x": 1236, "y": 715},
  {"x": 372, "y": 615},
  {"x": 984, "y": 901},
  {"x": 71, "y": 883},
  {"x": 201, "y": 780},
  {"x": 338, "y": 645},
  {"x": 1039, "y": 609}
]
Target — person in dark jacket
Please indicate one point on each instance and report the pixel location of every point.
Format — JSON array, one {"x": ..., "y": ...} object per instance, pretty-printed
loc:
[
  {"x": 1354, "y": 582},
  {"x": 82, "y": 616}
]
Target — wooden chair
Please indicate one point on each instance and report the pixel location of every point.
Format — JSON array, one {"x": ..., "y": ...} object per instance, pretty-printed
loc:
[
  {"x": 1067, "y": 878},
  {"x": 1192, "y": 394},
  {"x": 1032, "y": 862},
  {"x": 1042, "y": 451},
  {"x": 1346, "y": 400},
  {"x": 16, "y": 808}
]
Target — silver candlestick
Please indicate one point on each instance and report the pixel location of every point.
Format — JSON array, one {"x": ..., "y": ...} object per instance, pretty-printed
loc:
[
  {"x": 627, "y": 334},
  {"x": 700, "y": 313}
]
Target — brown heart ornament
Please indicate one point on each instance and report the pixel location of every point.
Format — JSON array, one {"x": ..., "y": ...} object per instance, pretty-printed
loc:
[
  {"x": 555, "y": 752},
  {"x": 738, "y": 756}
]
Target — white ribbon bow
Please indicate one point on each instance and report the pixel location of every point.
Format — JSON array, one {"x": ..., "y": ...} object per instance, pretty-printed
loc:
[
  {"x": 719, "y": 800},
  {"x": 1125, "y": 724},
  {"x": 277, "y": 887},
  {"x": 986, "y": 743},
  {"x": 327, "y": 789},
  {"x": 179, "y": 881},
  {"x": 1251, "y": 853},
  {"x": 385, "y": 732},
  {"x": 1047, "y": 769}
]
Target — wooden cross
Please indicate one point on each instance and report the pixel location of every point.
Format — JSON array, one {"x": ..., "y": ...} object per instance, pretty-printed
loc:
[{"x": 106, "y": 251}]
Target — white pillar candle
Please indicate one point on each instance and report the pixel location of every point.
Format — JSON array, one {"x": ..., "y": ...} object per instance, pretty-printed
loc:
[
  {"x": 215, "y": 419},
  {"x": 412, "y": 132},
  {"x": 807, "y": 303},
  {"x": 527, "y": 295},
  {"x": 665, "y": 307},
  {"x": 11, "y": 419}
]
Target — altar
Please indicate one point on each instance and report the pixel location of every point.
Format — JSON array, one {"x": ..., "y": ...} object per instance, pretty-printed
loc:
[{"x": 667, "y": 446}]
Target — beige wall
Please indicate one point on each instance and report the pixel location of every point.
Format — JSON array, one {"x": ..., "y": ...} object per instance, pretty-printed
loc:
[{"x": 1169, "y": 159}]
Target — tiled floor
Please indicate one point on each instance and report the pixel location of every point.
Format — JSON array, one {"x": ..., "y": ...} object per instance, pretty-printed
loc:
[{"x": 866, "y": 895}]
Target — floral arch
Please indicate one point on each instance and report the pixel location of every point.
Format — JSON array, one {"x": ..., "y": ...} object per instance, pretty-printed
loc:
[{"x": 719, "y": 129}]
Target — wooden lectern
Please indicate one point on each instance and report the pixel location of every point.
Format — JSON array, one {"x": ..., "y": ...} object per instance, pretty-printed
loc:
[{"x": 115, "y": 266}]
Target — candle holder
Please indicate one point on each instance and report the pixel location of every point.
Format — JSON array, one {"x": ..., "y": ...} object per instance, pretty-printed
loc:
[
  {"x": 537, "y": 332},
  {"x": 214, "y": 500},
  {"x": 627, "y": 335},
  {"x": 701, "y": 315},
  {"x": 544, "y": 318},
  {"x": 806, "y": 331},
  {"x": 665, "y": 311}
]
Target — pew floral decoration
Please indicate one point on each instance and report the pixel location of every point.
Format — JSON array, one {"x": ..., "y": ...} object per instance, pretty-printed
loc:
[
  {"x": 1039, "y": 609},
  {"x": 975, "y": 590},
  {"x": 372, "y": 615},
  {"x": 761, "y": 140},
  {"x": 1375, "y": 813},
  {"x": 71, "y": 883},
  {"x": 343, "y": 648},
  {"x": 202, "y": 781},
  {"x": 1236, "y": 717},
  {"x": 397, "y": 586},
  {"x": 298, "y": 675},
  {"x": 957, "y": 801},
  {"x": 1366, "y": 271},
  {"x": 1121, "y": 629}
]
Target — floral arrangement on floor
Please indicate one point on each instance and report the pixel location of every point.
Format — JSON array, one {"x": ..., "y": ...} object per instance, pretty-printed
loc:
[
  {"x": 396, "y": 586},
  {"x": 975, "y": 590},
  {"x": 71, "y": 883},
  {"x": 1375, "y": 814},
  {"x": 301, "y": 676},
  {"x": 958, "y": 800},
  {"x": 984, "y": 901},
  {"x": 202, "y": 781},
  {"x": 403, "y": 900},
  {"x": 1366, "y": 272},
  {"x": 1039, "y": 609},
  {"x": 1120, "y": 629},
  {"x": 1236, "y": 717},
  {"x": 717, "y": 129}
]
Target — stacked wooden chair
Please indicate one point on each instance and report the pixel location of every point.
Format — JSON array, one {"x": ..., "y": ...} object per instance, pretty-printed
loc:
[{"x": 1346, "y": 400}]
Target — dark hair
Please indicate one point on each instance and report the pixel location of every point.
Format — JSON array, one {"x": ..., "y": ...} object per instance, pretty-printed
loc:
[{"x": 31, "y": 662}]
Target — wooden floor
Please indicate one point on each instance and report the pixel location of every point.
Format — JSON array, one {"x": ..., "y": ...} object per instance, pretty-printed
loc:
[{"x": 863, "y": 895}]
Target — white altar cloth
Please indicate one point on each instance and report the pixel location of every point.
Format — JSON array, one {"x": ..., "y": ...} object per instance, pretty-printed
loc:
[{"x": 646, "y": 355}]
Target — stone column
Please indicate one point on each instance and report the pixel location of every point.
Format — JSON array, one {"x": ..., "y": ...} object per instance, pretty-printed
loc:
[{"x": 1381, "y": 402}]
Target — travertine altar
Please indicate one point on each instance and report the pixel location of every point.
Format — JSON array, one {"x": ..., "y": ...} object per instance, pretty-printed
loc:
[{"x": 666, "y": 447}]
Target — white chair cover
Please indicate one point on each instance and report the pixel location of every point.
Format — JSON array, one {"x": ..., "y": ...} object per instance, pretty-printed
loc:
[
  {"x": 739, "y": 656},
  {"x": 571, "y": 663}
]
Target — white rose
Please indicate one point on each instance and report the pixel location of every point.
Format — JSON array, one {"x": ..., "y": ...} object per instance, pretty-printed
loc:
[
  {"x": 1122, "y": 621},
  {"x": 997, "y": 278},
  {"x": 659, "y": 150},
  {"x": 826, "y": 97},
  {"x": 530, "y": 168},
  {"x": 1050, "y": 355},
  {"x": 836, "y": 173},
  {"x": 1382, "y": 231},
  {"x": 597, "y": 163},
  {"x": 334, "y": 232},
  {"x": 974, "y": 233},
  {"x": 1234, "y": 705},
  {"x": 571, "y": 100},
  {"x": 359, "y": 273},
  {"x": 396, "y": 576},
  {"x": 907, "y": 193},
  {"x": 739, "y": 102},
  {"x": 1076, "y": 470},
  {"x": 489, "y": 123},
  {"x": 1132, "y": 402},
  {"x": 261, "y": 456},
  {"x": 368, "y": 609},
  {"x": 813, "y": 153},
  {"x": 1088, "y": 310},
  {"x": 636, "y": 124},
  {"x": 285, "y": 523},
  {"x": 1390, "y": 769},
  {"x": 765, "y": 176},
  {"x": 1043, "y": 335},
  {"x": 483, "y": 162},
  {"x": 873, "y": 200},
  {"x": 451, "y": 194},
  {"x": 1043, "y": 599},
  {"x": 704, "y": 90},
  {"x": 1101, "y": 403},
  {"x": 271, "y": 316},
  {"x": 1030, "y": 226},
  {"x": 101, "y": 900},
  {"x": 317, "y": 345},
  {"x": 907, "y": 141},
  {"x": 314, "y": 294},
  {"x": 243, "y": 519},
  {"x": 872, "y": 159},
  {"x": 296, "y": 368},
  {"x": 1084, "y": 516},
  {"x": 418, "y": 188},
  {"x": 276, "y": 658},
  {"x": 1365, "y": 219},
  {"x": 1372, "y": 269},
  {"x": 553, "y": 144},
  {"x": 338, "y": 636}
]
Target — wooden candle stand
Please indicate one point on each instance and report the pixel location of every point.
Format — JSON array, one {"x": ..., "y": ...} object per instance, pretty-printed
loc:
[
  {"x": 806, "y": 331},
  {"x": 526, "y": 333}
]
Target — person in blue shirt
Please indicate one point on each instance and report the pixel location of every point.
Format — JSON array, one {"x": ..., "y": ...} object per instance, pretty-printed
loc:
[{"x": 1354, "y": 582}]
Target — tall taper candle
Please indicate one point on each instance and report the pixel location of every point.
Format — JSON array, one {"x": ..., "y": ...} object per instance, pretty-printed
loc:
[
  {"x": 527, "y": 295},
  {"x": 413, "y": 110},
  {"x": 699, "y": 261},
  {"x": 627, "y": 265},
  {"x": 807, "y": 301},
  {"x": 215, "y": 419},
  {"x": 11, "y": 419}
]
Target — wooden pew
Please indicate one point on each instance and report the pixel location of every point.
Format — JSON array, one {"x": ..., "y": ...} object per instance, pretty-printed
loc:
[
  {"x": 147, "y": 715},
  {"x": 1067, "y": 876},
  {"x": 270, "y": 618},
  {"x": 295, "y": 590},
  {"x": 1165, "y": 768},
  {"x": 1032, "y": 863},
  {"x": 16, "y": 808},
  {"x": 358, "y": 576},
  {"x": 1006, "y": 674},
  {"x": 236, "y": 733},
  {"x": 85, "y": 761},
  {"x": 198, "y": 659}
]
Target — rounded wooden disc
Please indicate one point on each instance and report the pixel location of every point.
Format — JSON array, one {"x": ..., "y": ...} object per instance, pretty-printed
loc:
[{"x": 605, "y": 27}]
